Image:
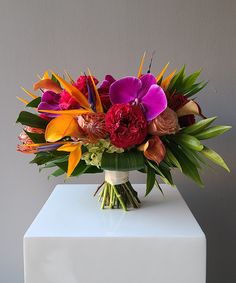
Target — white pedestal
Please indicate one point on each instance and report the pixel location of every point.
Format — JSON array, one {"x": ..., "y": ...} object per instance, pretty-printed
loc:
[{"x": 73, "y": 241}]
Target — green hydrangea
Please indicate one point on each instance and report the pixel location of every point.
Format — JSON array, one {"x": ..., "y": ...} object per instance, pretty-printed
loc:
[{"x": 93, "y": 155}]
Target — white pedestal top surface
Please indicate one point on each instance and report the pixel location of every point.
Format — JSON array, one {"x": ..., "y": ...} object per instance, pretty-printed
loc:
[
  {"x": 72, "y": 240},
  {"x": 72, "y": 211}
]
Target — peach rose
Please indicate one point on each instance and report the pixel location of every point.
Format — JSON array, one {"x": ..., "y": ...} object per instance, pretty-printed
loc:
[{"x": 164, "y": 124}]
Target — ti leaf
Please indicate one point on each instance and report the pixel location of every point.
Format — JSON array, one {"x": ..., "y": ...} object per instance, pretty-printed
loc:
[
  {"x": 212, "y": 132},
  {"x": 34, "y": 103},
  {"x": 32, "y": 120},
  {"x": 188, "y": 141},
  {"x": 214, "y": 157},
  {"x": 151, "y": 178},
  {"x": 172, "y": 159},
  {"x": 35, "y": 137},
  {"x": 126, "y": 161},
  {"x": 198, "y": 127},
  {"x": 57, "y": 173}
]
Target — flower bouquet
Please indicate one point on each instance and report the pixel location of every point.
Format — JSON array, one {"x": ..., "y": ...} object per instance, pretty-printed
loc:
[{"x": 145, "y": 122}]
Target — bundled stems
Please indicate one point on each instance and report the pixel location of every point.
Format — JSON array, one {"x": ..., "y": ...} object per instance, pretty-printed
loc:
[{"x": 118, "y": 196}]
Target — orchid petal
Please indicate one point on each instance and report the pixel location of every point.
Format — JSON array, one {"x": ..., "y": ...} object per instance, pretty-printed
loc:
[
  {"x": 125, "y": 90},
  {"x": 147, "y": 81},
  {"x": 154, "y": 102},
  {"x": 107, "y": 82},
  {"x": 61, "y": 126},
  {"x": 73, "y": 91}
]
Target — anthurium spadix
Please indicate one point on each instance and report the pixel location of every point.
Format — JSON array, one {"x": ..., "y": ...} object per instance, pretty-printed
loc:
[{"x": 143, "y": 91}]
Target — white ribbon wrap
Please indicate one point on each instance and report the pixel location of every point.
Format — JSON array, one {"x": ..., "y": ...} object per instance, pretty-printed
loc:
[{"x": 116, "y": 177}]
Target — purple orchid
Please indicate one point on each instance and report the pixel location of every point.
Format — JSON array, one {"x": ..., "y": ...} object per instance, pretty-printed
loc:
[
  {"x": 57, "y": 101},
  {"x": 106, "y": 83},
  {"x": 50, "y": 101},
  {"x": 143, "y": 91}
]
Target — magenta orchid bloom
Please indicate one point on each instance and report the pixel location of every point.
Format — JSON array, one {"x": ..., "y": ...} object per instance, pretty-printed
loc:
[
  {"x": 143, "y": 91},
  {"x": 57, "y": 101}
]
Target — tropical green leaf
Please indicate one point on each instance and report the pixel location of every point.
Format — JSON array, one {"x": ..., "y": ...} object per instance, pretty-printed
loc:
[
  {"x": 214, "y": 157},
  {"x": 32, "y": 120},
  {"x": 196, "y": 88},
  {"x": 57, "y": 173},
  {"x": 198, "y": 127},
  {"x": 45, "y": 157},
  {"x": 177, "y": 80},
  {"x": 189, "y": 81},
  {"x": 192, "y": 156},
  {"x": 188, "y": 141},
  {"x": 159, "y": 187},
  {"x": 212, "y": 132},
  {"x": 151, "y": 178},
  {"x": 162, "y": 171},
  {"x": 55, "y": 80},
  {"x": 34, "y": 103},
  {"x": 126, "y": 161},
  {"x": 172, "y": 159},
  {"x": 36, "y": 138},
  {"x": 188, "y": 167}
]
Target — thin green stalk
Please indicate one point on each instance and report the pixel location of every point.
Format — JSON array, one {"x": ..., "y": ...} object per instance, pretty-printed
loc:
[
  {"x": 104, "y": 196},
  {"x": 119, "y": 198}
]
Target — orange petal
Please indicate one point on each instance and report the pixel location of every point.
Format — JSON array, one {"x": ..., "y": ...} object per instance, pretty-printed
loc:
[
  {"x": 154, "y": 149},
  {"x": 29, "y": 93},
  {"x": 140, "y": 70},
  {"x": 73, "y": 91},
  {"x": 22, "y": 100},
  {"x": 48, "y": 84},
  {"x": 46, "y": 75},
  {"x": 165, "y": 83},
  {"x": 162, "y": 72},
  {"x": 69, "y": 77},
  {"x": 99, "y": 107},
  {"x": 74, "y": 159},
  {"x": 74, "y": 112},
  {"x": 189, "y": 108},
  {"x": 69, "y": 147},
  {"x": 61, "y": 126}
]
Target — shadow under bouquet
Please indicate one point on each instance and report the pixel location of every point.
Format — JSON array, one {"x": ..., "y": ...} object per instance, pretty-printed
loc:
[{"x": 145, "y": 122}]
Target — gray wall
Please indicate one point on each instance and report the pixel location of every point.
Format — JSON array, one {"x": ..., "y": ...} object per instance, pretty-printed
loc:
[{"x": 110, "y": 36}]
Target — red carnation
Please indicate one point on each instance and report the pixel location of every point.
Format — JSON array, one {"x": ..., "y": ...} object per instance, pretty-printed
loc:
[
  {"x": 82, "y": 85},
  {"x": 126, "y": 124}
]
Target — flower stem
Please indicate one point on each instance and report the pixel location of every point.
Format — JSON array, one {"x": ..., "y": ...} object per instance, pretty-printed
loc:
[{"x": 118, "y": 196}]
